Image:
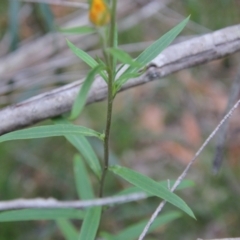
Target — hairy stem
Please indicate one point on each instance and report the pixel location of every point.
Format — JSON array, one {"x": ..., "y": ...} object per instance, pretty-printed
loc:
[{"x": 111, "y": 76}]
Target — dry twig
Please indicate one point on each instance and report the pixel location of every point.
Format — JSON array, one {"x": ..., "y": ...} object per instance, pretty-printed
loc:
[
  {"x": 176, "y": 57},
  {"x": 184, "y": 173},
  {"x": 54, "y": 204},
  {"x": 60, "y": 2}
]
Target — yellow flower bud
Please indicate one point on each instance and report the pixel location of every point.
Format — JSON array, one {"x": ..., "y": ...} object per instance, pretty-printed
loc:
[{"x": 99, "y": 13}]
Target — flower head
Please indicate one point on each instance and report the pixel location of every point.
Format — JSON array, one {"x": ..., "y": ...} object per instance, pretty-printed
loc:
[{"x": 99, "y": 13}]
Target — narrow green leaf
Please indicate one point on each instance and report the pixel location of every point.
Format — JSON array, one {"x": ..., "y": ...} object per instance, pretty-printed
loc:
[
  {"x": 101, "y": 62},
  {"x": 132, "y": 232},
  {"x": 124, "y": 57},
  {"x": 152, "y": 187},
  {"x": 86, "y": 58},
  {"x": 158, "y": 46},
  {"x": 184, "y": 184},
  {"x": 84, "y": 148},
  {"x": 78, "y": 30},
  {"x": 120, "y": 67},
  {"x": 50, "y": 131},
  {"x": 90, "y": 224},
  {"x": 80, "y": 100},
  {"x": 115, "y": 45},
  {"x": 67, "y": 229},
  {"x": 124, "y": 78},
  {"x": 84, "y": 187},
  {"x": 40, "y": 214},
  {"x": 82, "y": 55}
]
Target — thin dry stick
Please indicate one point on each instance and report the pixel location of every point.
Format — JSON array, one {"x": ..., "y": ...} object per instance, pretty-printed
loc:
[
  {"x": 182, "y": 176},
  {"x": 176, "y": 57},
  {"x": 60, "y": 2},
  {"x": 54, "y": 204}
]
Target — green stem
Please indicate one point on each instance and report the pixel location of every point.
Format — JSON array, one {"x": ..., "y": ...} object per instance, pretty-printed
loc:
[
  {"x": 107, "y": 134},
  {"x": 111, "y": 76}
]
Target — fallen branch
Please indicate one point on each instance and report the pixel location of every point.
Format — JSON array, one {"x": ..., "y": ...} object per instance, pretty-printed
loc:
[
  {"x": 54, "y": 204},
  {"x": 60, "y": 2},
  {"x": 176, "y": 57}
]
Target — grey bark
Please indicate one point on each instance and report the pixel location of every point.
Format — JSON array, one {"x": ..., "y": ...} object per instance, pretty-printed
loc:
[{"x": 183, "y": 55}]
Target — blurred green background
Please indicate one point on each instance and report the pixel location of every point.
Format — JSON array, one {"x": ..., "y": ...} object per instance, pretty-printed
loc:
[{"x": 156, "y": 127}]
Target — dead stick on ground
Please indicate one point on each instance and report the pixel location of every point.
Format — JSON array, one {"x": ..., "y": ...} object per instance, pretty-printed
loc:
[
  {"x": 176, "y": 57},
  {"x": 41, "y": 203}
]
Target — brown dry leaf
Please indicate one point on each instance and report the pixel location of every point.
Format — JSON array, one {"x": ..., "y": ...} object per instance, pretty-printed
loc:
[
  {"x": 191, "y": 129},
  {"x": 178, "y": 151},
  {"x": 152, "y": 118}
]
